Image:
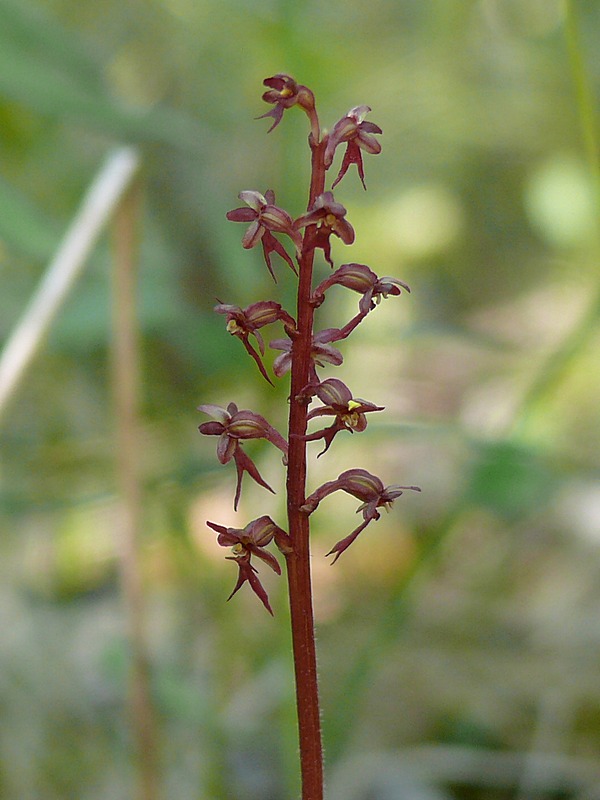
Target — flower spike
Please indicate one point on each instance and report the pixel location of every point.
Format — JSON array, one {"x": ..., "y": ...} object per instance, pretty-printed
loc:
[{"x": 305, "y": 348}]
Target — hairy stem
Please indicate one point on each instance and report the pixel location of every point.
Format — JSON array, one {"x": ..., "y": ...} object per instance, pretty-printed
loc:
[{"x": 298, "y": 562}]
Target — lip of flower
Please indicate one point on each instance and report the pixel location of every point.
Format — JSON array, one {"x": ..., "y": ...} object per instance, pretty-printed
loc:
[
  {"x": 351, "y": 413},
  {"x": 337, "y": 400}
]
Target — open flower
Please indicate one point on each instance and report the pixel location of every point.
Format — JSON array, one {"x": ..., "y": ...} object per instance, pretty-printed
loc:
[
  {"x": 363, "y": 280},
  {"x": 365, "y": 487},
  {"x": 265, "y": 218},
  {"x": 329, "y": 217},
  {"x": 249, "y": 541},
  {"x": 283, "y": 93},
  {"x": 245, "y": 322},
  {"x": 232, "y": 425},
  {"x": 349, "y": 412},
  {"x": 321, "y": 353},
  {"x": 358, "y": 135}
]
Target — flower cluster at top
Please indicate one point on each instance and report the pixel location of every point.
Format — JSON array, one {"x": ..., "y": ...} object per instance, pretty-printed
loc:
[{"x": 272, "y": 227}]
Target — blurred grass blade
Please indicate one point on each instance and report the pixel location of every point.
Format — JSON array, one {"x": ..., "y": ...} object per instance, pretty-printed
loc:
[{"x": 96, "y": 210}]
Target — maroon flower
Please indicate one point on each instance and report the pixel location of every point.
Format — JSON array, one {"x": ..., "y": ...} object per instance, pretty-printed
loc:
[
  {"x": 349, "y": 412},
  {"x": 284, "y": 93},
  {"x": 266, "y": 218},
  {"x": 321, "y": 353},
  {"x": 244, "y": 322},
  {"x": 249, "y": 541},
  {"x": 360, "y": 278},
  {"x": 329, "y": 218},
  {"x": 230, "y": 426},
  {"x": 358, "y": 135},
  {"x": 364, "y": 486}
]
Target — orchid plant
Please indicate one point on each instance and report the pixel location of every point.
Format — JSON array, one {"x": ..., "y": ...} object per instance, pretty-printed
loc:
[{"x": 303, "y": 352}]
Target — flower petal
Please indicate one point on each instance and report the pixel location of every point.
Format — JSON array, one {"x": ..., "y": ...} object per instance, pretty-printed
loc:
[
  {"x": 220, "y": 529},
  {"x": 255, "y": 200},
  {"x": 226, "y": 448},
  {"x": 241, "y": 215},
  {"x": 268, "y": 558},
  {"x": 282, "y": 364},
  {"x": 326, "y": 353},
  {"x": 215, "y": 411},
  {"x": 260, "y": 531},
  {"x": 244, "y": 463},
  {"x": 253, "y": 235},
  {"x": 211, "y": 428},
  {"x": 333, "y": 391}
]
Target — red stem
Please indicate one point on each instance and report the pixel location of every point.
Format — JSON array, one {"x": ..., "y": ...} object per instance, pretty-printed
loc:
[{"x": 298, "y": 562}]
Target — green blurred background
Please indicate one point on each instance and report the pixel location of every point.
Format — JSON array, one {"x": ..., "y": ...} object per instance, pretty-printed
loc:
[{"x": 459, "y": 637}]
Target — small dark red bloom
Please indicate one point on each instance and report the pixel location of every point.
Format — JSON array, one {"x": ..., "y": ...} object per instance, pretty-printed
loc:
[
  {"x": 349, "y": 412},
  {"x": 265, "y": 218},
  {"x": 245, "y": 322},
  {"x": 363, "y": 280},
  {"x": 322, "y": 352},
  {"x": 329, "y": 217},
  {"x": 364, "y": 486},
  {"x": 230, "y": 426},
  {"x": 283, "y": 93},
  {"x": 249, "y": 541},
  {"x": 358, "y": 135}
]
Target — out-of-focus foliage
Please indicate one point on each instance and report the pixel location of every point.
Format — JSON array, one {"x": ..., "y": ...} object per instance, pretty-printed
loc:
[{"x": 458, "y": 636}]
